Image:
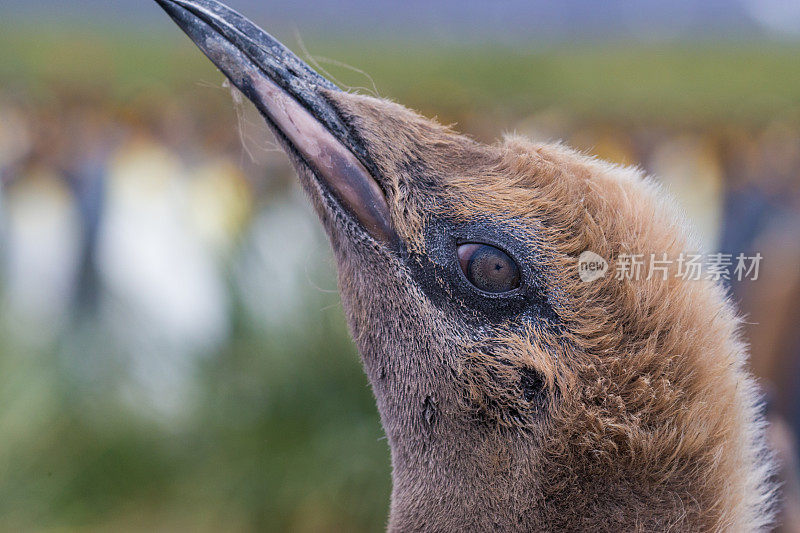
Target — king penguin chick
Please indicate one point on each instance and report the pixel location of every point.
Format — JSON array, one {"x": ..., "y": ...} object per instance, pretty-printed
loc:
[{"x": 514, "y": 395}]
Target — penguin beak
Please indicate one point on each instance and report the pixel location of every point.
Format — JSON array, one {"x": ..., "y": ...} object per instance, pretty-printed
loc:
[{"x": 290, "y": 95}]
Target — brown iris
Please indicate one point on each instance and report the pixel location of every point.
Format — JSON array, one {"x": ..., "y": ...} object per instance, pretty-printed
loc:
[{"x": 488, "y": 268}]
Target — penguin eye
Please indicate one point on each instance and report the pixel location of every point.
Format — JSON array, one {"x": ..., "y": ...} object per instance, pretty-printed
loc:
[{"x": 488, "y": 268}]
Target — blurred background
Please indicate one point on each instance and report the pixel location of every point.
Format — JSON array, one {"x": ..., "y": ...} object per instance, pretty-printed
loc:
[{"x": 173, "y": 354}]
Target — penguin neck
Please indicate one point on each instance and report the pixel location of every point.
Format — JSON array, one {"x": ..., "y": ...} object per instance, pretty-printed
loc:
[{"x": 447, "y": 478}]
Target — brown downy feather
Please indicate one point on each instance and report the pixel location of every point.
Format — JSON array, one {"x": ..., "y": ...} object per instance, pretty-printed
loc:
[{"x": 645, "y": 417}]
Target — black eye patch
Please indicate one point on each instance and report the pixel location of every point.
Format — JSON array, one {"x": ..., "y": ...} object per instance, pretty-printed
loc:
[{"x": 481, "y": 272}]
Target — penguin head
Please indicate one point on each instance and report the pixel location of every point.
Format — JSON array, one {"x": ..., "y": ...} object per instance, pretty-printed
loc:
[{"x": 492, "y": 358}]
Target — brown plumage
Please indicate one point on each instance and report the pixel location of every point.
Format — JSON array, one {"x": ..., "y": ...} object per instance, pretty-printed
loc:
[{"x": 613, "y": 405}]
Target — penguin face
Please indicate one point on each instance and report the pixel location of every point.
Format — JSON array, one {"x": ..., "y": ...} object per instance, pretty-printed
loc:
[
  {"x": 457, "y": 260},
  {"x": 437, "y": 257},
  {"x": 472, "y": 272}
]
